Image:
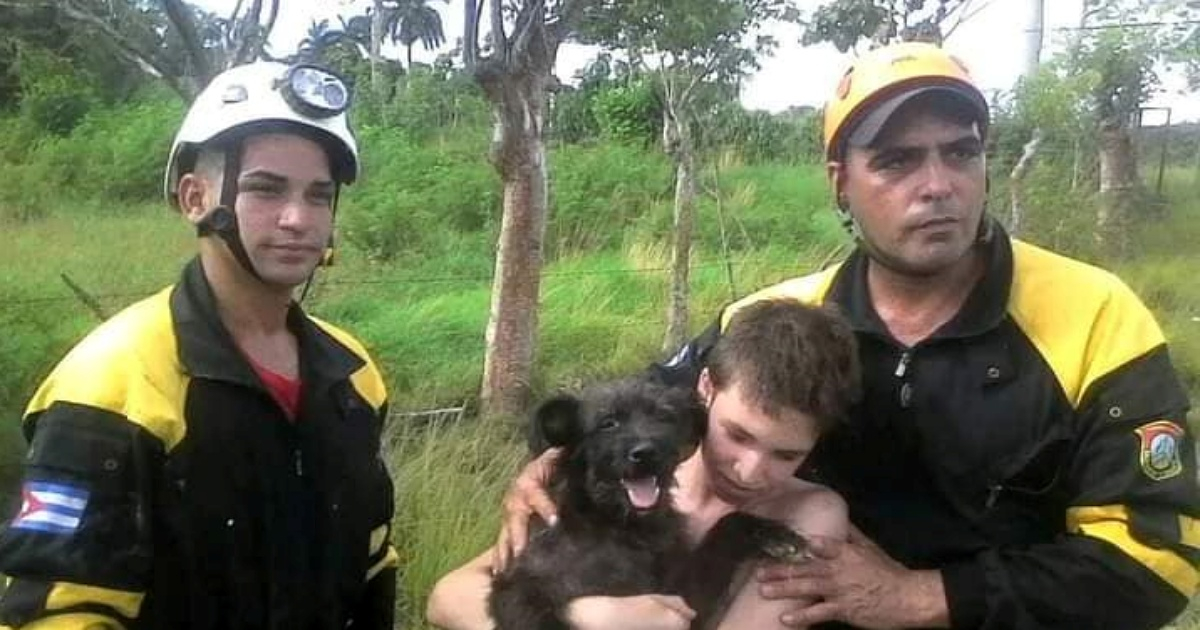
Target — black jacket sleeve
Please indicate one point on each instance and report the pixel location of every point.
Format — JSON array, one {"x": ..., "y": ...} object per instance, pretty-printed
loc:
[
  {"x": 1129, "y": 555},
  {"x": 683, "y": 368},
  {"x": 78, "y": 552}
]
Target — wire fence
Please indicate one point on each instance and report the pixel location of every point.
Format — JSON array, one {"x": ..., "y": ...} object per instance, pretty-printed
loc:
[{"x": 1159, "y": 147}]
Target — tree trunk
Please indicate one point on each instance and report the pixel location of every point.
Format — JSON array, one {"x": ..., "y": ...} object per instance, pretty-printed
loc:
[
  {"x": 1118, "y": 183},
  {"x": 681, "y": 251},
  {"x": 677, "y": 144},
  {"x": 1016, "y": 182},
  {"x": 519, "y": 155},
  {"x": 376, "y": 43}
]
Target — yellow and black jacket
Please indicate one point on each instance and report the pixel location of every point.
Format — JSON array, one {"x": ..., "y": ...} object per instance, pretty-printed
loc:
[
  {"x": 1034, "y": 448},
  {"x": 165, "y": 488}
]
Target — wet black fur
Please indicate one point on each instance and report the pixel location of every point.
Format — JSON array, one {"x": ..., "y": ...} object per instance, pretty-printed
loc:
[{"x": 602, "y": 545}]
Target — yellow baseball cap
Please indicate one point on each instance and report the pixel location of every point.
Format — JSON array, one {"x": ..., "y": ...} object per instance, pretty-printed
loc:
[{"x": 882, "y": 80}]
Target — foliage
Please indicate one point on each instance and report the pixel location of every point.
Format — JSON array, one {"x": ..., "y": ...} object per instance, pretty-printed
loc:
[
  {"x": 760, "y": 137},
  {"x": 177, "y": 43},
  {"x": 845, "y": 23},
  {"x": 573, "y": 110},
  {"x": 54, "y": 97},
  {"x": 422, "y": 311},
  {"x": 407, "y": 22},
  {"x": 114, "y": 155},
  {"x": 1054, "y": 100},
  {"x": 601, "y": 191},
  {"x": 628, "y": 113},
  {"x": 429, "y": 101},
  {"x": 412, "y": 194},
  {"x": 1121, "y": 62},
  {"x": 702, "y": 40}
]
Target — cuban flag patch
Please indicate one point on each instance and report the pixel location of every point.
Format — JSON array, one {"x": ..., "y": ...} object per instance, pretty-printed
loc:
[{"x": 50, "y": 507}]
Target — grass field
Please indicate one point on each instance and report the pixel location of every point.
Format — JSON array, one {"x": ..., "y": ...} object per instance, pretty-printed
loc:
[{"x": 423, "y": 313}]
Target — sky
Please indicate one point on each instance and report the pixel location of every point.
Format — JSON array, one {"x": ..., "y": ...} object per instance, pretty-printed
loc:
[{"x": 992, "y": 44}]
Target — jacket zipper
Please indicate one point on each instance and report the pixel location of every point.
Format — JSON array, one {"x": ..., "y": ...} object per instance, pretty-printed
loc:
[{"x": 902, "y": 365}]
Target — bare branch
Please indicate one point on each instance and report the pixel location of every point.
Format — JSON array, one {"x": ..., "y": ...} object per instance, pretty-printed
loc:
[
  {"x": 270, "y": 26},
  {"x": 470, "y": 43},
  {"x": 569, "y": 11},
  {"x": 529, "y": 19},
  {"x": 143, "y": 59},
  {"x": 964, "y": 14},
  {"x": 248, "y": 35},
  {"x": 498, "y": 37},
  {"x": 181, "y": 18},
  {"x": 228, "y": 35},
  {"x": 710, "y": 66}
]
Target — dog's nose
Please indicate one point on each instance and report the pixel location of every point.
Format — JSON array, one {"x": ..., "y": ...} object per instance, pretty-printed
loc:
[{"x": 642, "y": 453}]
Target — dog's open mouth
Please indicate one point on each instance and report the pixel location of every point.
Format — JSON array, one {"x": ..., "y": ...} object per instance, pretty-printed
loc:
[{"x": 643, "y": 493}]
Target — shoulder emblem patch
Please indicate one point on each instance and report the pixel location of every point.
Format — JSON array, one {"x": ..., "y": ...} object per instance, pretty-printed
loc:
[{"x": 1159, "y": 453}]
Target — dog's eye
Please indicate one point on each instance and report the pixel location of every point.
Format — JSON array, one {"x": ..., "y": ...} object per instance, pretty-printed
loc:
[{"x": 608, "y": 424}]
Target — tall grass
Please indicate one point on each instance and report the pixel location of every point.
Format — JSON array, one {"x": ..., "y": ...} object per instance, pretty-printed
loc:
[{"x": 413, "y": 277}]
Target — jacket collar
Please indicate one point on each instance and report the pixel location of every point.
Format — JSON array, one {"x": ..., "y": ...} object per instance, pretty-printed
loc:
[
  {"x": 984, "y": 310},
  {"x": 207, "y": 350}
]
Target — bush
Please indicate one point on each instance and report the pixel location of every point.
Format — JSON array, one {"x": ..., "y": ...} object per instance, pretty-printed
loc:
[
  {"x": 629, "y": 113},
  {"x": 54, "y": 95},
  {"x": 599, "y": 191},
  {"x": 412, "y": 195}
]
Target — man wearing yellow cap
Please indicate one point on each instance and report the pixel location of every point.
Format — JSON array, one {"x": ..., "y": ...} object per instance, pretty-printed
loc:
[{"x": 1020, "y": 459}]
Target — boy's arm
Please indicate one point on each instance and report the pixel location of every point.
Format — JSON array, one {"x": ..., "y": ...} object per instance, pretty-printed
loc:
[{"x": 459, "y": 600}]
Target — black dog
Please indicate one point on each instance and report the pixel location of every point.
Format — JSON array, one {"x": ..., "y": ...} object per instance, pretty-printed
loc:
[{"x": 618, "y": 533}]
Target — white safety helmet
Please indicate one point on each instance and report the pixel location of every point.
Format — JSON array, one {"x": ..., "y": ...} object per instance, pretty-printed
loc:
[{"x": 264, "y": 97}]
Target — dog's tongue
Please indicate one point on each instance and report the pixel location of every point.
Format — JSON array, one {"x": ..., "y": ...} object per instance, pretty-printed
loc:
[{"x": 643, "y": 493}]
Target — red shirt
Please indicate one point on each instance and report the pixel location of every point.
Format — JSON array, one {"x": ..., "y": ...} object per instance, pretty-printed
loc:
[{"x": 286, "y": 391}]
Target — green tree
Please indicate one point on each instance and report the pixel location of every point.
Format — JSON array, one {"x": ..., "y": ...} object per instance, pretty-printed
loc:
[
  {"x": 170, "y": 40},
  {"x": 1123, "y": 64},
  {"x": 845, "y": 23},
  {"x": 410, "y": 21},
  {"x": 515, "y": 72},
  {"x": 690, "y": 47}
]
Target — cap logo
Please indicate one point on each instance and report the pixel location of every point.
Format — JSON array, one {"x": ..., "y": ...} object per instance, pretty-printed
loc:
[{"x": 234, "y": 94}]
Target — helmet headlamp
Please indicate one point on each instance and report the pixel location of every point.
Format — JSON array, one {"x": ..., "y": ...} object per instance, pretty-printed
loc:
[{"x": 314, "y": 92}]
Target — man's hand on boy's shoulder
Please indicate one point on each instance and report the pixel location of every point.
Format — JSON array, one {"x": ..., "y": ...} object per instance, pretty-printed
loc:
[{"x": 526, "y": 496}]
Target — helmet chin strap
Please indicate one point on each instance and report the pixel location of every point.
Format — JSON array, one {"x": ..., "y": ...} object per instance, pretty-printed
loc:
[{"x": 222, "y": 220}]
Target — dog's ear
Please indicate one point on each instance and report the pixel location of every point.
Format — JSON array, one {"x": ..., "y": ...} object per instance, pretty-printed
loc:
[{"x": 556, "y": 422}]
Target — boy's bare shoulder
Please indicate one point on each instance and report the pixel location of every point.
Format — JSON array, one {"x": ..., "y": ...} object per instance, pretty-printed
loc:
[{"x": 808, "y": 508}]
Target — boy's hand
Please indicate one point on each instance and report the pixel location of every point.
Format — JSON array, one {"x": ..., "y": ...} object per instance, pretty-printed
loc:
[{"x": 526, "y": 496}]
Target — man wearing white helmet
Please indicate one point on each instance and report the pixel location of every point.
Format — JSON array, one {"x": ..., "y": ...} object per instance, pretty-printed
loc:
[{"x": 209, "y": 458}]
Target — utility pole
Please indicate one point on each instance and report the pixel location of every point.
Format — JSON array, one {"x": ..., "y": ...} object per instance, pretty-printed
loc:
[{"x": 1034, "y": 35}]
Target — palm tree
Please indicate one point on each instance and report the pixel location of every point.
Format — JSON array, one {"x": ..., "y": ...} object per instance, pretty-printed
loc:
[
  {"x": 320, "y": 36},
  {"x": 410, "y": 21}
]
